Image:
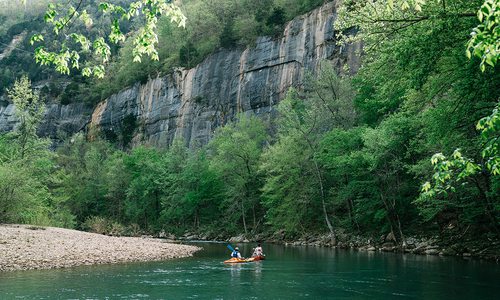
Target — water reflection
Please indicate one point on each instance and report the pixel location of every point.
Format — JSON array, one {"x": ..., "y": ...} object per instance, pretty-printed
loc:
[
  {"x": 235, "y": 272},
  {"x": 258, "y": 270}
]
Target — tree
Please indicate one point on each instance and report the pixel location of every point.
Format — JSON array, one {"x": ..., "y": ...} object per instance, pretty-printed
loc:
[
  {"x": 234, "y": 155},
  {"x": 326, "y": 103},
  {"x": 146, "y": 189},
  {"x": 385, "y": 150},
  {"x": 84, "y": 177},
  {"x": 290, "y": 193},
  {"x": 29, "y": 111},
  {"x": 194, "y": 195},
  {"x": 347, "y": 171},
  {"x": 452, "y": 174},
  {"x": 27, "y": 169}
]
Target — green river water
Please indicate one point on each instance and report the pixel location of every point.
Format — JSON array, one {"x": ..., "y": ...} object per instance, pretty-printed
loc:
[{"x": 288, "y": 273}]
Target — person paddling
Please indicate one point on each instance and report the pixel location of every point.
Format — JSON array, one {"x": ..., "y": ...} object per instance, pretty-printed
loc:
[{"x": 236, "y": 253}]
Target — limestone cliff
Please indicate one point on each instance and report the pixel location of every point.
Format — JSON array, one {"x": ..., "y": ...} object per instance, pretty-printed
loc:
[{"x": 192, "y": 103}]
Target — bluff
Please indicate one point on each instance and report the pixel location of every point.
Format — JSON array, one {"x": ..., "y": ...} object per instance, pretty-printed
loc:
[{"x": 192, "y": 103}]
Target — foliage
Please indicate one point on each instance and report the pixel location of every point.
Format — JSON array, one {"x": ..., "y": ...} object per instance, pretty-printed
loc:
[
  {"x": 421, "y": 95},
  {"x": 452, "y": 174},
  {"x": 485, "y": 37},
  {"x": 296, "y": 187},
  {"x": 61, "y": 17},
  {"x": 29, "y": 111},
  {"x": 27, "y": 169},
  {"x": 378, "y": 21},
  {"x": 195, "y": 194},
  {"x": 234, "y": 154}
]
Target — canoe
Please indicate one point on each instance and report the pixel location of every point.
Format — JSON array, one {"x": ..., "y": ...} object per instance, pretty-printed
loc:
[
  {"x": 235, "y": 260},
  {"x": 257, "y": 258}
]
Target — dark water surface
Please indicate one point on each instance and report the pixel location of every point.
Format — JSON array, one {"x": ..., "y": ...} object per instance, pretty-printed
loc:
[{"x": 288, "y": 273}]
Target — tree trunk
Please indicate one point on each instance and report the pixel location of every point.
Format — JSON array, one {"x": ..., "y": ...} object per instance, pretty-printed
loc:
[
  {"x": 243, "y": 217},
  {"x": 393, "y": 219},
  {"x": 354, "y": 223},
  {"x": 322, "y": 191}
]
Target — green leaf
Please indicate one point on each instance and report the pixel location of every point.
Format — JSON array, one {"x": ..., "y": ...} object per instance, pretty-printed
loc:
[
  {"x": 87, "y": 72},
  {"x": 36, "y": 38}
]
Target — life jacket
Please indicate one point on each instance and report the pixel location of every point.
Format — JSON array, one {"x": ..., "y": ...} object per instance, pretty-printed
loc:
[{"x": 234, "y": 254}]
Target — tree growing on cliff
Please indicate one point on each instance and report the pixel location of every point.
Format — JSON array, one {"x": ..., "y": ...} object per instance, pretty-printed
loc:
[{"x": 29, "y": 111}]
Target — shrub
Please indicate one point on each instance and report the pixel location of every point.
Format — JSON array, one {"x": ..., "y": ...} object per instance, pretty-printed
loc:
[
  {"x": 97, "y": 224},
  {"x": 117, "y": 229}
]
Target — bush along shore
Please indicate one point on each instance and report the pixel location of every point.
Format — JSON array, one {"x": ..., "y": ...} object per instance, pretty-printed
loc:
[{"x": 25, "y": 247}]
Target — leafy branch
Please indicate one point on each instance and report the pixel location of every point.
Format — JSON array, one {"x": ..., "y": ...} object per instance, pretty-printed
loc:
[
  {"x": 68, "y": 56},
  {"x": 458, "y": 168},
  {"x": 485, "y": 37}
]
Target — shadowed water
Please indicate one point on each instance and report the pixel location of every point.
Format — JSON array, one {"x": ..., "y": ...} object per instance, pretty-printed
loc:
[{"x": 288, "y": 273}]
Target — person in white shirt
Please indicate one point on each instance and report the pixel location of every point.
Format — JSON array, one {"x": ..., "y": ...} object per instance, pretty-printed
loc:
[{"x": 257, "y": 251}]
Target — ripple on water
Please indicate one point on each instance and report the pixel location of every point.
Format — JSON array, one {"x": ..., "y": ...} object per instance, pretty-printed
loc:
[{"x": 173, "y": 282}]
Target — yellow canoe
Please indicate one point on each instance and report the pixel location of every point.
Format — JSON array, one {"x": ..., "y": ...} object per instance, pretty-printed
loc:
[{"x": 234, "y": 260}]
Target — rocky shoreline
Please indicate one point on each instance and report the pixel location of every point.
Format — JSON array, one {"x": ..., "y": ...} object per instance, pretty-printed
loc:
[
  {"x": 412, "y": 245},
  {"x": 25, "y": 247}
]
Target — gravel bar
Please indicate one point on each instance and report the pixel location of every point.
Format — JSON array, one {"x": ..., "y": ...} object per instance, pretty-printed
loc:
[{"x": 25, "y": 247}]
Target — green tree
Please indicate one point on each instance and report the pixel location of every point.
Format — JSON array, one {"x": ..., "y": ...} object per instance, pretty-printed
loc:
[
  {"x": 29, "y": 111},
  {"x": 326, "y": 103},
  {"x": 416, "y": 71},
  {"x": 347, "y": 171},
  {"x": 84, "y": 177},
  {"x": 146, "y": 189},
  {"x": 455, "y": 174},
  {"x": 234, "y": 155},
  {"x": 27, "y": 169},
  {"x": 194, "y": 195}
]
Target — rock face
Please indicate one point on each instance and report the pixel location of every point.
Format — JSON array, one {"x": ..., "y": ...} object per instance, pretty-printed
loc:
[
  {"x": 59, "y": 121},
  {"x": 192, "y": 103}
]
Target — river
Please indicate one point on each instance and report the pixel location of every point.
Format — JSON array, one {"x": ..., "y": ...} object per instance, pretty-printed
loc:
[{"x": 287, "y": 273}]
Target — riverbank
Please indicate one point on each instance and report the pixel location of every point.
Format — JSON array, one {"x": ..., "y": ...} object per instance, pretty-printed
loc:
[
  {"x": 420, "y": 245},
  {"x": 413, "y": 245},
  {"x": 25, "y": 247}
]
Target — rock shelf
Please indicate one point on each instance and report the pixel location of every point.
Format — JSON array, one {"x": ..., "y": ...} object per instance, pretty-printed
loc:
[{"x": 25, "y": 247}]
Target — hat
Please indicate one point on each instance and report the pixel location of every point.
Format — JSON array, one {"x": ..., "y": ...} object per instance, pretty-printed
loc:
[{"x": 236, "y": 248}]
